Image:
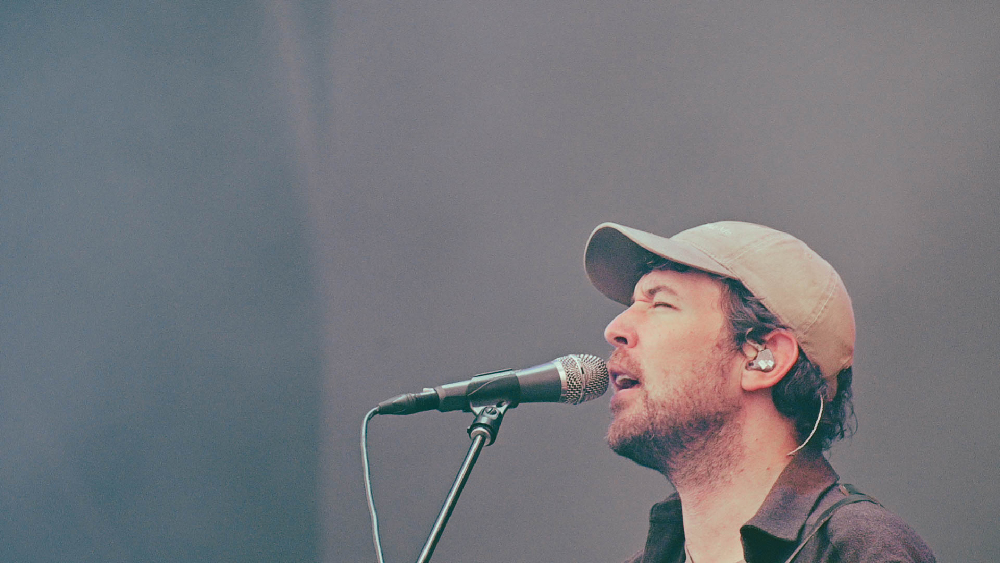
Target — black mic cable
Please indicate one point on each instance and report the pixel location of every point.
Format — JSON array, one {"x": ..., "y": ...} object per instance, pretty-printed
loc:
[{"x": 368, "y": 483}]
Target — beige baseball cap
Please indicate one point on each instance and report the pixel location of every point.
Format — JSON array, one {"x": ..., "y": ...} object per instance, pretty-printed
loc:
[{"x": 790, "y": 279}]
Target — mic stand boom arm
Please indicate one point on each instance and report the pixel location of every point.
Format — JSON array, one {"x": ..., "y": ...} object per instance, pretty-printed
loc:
[{"x": 483, "y": 432}]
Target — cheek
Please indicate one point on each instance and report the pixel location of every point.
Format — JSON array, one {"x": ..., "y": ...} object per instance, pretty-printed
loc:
[
  {"x": 659, "y": 388},
  {"x": 671, "y": 363}
]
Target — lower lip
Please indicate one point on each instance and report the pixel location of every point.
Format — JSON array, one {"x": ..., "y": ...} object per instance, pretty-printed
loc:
[{"x": 622, "y": 394}]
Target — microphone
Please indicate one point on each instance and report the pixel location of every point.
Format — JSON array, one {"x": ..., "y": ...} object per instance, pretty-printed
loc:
[{"x": 570, "y": 379}]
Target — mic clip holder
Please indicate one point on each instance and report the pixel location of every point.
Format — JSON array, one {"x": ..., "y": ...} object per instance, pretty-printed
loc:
[
  {"x": 483, "y": 432},
  {"x": 487, "y": 422}
]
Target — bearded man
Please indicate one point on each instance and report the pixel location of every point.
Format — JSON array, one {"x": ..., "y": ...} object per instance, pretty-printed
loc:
[{"x": 732, "y": 375}]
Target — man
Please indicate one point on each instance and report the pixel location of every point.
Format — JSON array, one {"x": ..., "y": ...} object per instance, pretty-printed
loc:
[{"x": 732, "y": 374}]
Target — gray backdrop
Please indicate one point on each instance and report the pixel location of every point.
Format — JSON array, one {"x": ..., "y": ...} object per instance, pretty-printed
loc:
[{"x": 230, "y": 228}]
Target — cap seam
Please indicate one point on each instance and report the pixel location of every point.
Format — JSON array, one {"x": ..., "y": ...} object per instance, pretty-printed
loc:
[
  {"x": 828, "y": 290},
  {"x": 756, "y": 244},
  {"x": 743, "y": 251}
]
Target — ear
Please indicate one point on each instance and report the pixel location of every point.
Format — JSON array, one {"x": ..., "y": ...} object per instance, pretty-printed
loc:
[{"x": 785, "y": 350}]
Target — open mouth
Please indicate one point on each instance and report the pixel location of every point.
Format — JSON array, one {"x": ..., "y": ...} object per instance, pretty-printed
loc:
[{"x": 623, "y": 381}]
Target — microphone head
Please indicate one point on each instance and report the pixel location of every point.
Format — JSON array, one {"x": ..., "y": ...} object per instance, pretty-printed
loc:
[{"x": 586, "y": 377}]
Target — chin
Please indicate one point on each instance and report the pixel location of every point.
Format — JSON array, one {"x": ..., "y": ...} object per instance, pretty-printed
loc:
[
  {"x": 635, "y": 444},
  {"x": 626, "y": 427}
]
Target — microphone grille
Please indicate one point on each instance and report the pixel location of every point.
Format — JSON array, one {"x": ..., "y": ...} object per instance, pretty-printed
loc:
[{"x": 586, "y": 377}]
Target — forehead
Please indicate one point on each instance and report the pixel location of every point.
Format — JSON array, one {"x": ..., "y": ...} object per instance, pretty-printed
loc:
[{"x": 693, "y": 287}]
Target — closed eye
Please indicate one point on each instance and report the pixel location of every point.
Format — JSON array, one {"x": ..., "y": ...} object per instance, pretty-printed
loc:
[{"x": 661, "y": 304}]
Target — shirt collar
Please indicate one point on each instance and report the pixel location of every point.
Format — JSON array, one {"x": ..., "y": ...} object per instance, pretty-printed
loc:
[
  {"x": 665, "y": 541},
  {"x": 793, "y": 496}
]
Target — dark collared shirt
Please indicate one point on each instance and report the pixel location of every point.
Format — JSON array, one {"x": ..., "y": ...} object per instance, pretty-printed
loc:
[{"x": 858, "y": 532}]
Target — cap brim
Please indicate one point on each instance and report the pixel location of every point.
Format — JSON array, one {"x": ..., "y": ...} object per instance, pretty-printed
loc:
[{"x": 617, "y": 256}]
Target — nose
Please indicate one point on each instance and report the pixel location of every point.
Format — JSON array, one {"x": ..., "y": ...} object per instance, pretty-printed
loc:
[{"x": 620, "y": 332}]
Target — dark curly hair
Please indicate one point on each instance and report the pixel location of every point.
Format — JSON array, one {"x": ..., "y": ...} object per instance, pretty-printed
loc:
[{"x": 797, "y": 395}]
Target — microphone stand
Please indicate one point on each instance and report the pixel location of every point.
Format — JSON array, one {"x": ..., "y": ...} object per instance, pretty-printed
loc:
[{"x": 483, "y": 432}]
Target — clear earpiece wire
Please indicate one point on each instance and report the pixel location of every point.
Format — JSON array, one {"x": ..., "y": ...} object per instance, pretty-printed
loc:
[{"x": 815, "y": 428}]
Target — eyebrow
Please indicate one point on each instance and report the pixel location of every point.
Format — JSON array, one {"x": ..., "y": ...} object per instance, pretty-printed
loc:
[{"x": 651, "y": 292}]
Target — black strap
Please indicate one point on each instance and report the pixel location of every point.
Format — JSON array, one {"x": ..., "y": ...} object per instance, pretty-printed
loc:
[{"x": 852, "y": 495}]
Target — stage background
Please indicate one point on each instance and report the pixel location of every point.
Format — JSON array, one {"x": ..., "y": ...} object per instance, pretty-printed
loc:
[{"x": 230, "y": 228}]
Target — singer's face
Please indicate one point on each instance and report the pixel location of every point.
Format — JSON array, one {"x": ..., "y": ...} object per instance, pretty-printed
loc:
[{"x": 675, "y": 374}]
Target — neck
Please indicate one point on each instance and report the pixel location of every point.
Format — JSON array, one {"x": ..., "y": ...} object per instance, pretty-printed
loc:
[{"x": 720, "y": 494}]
